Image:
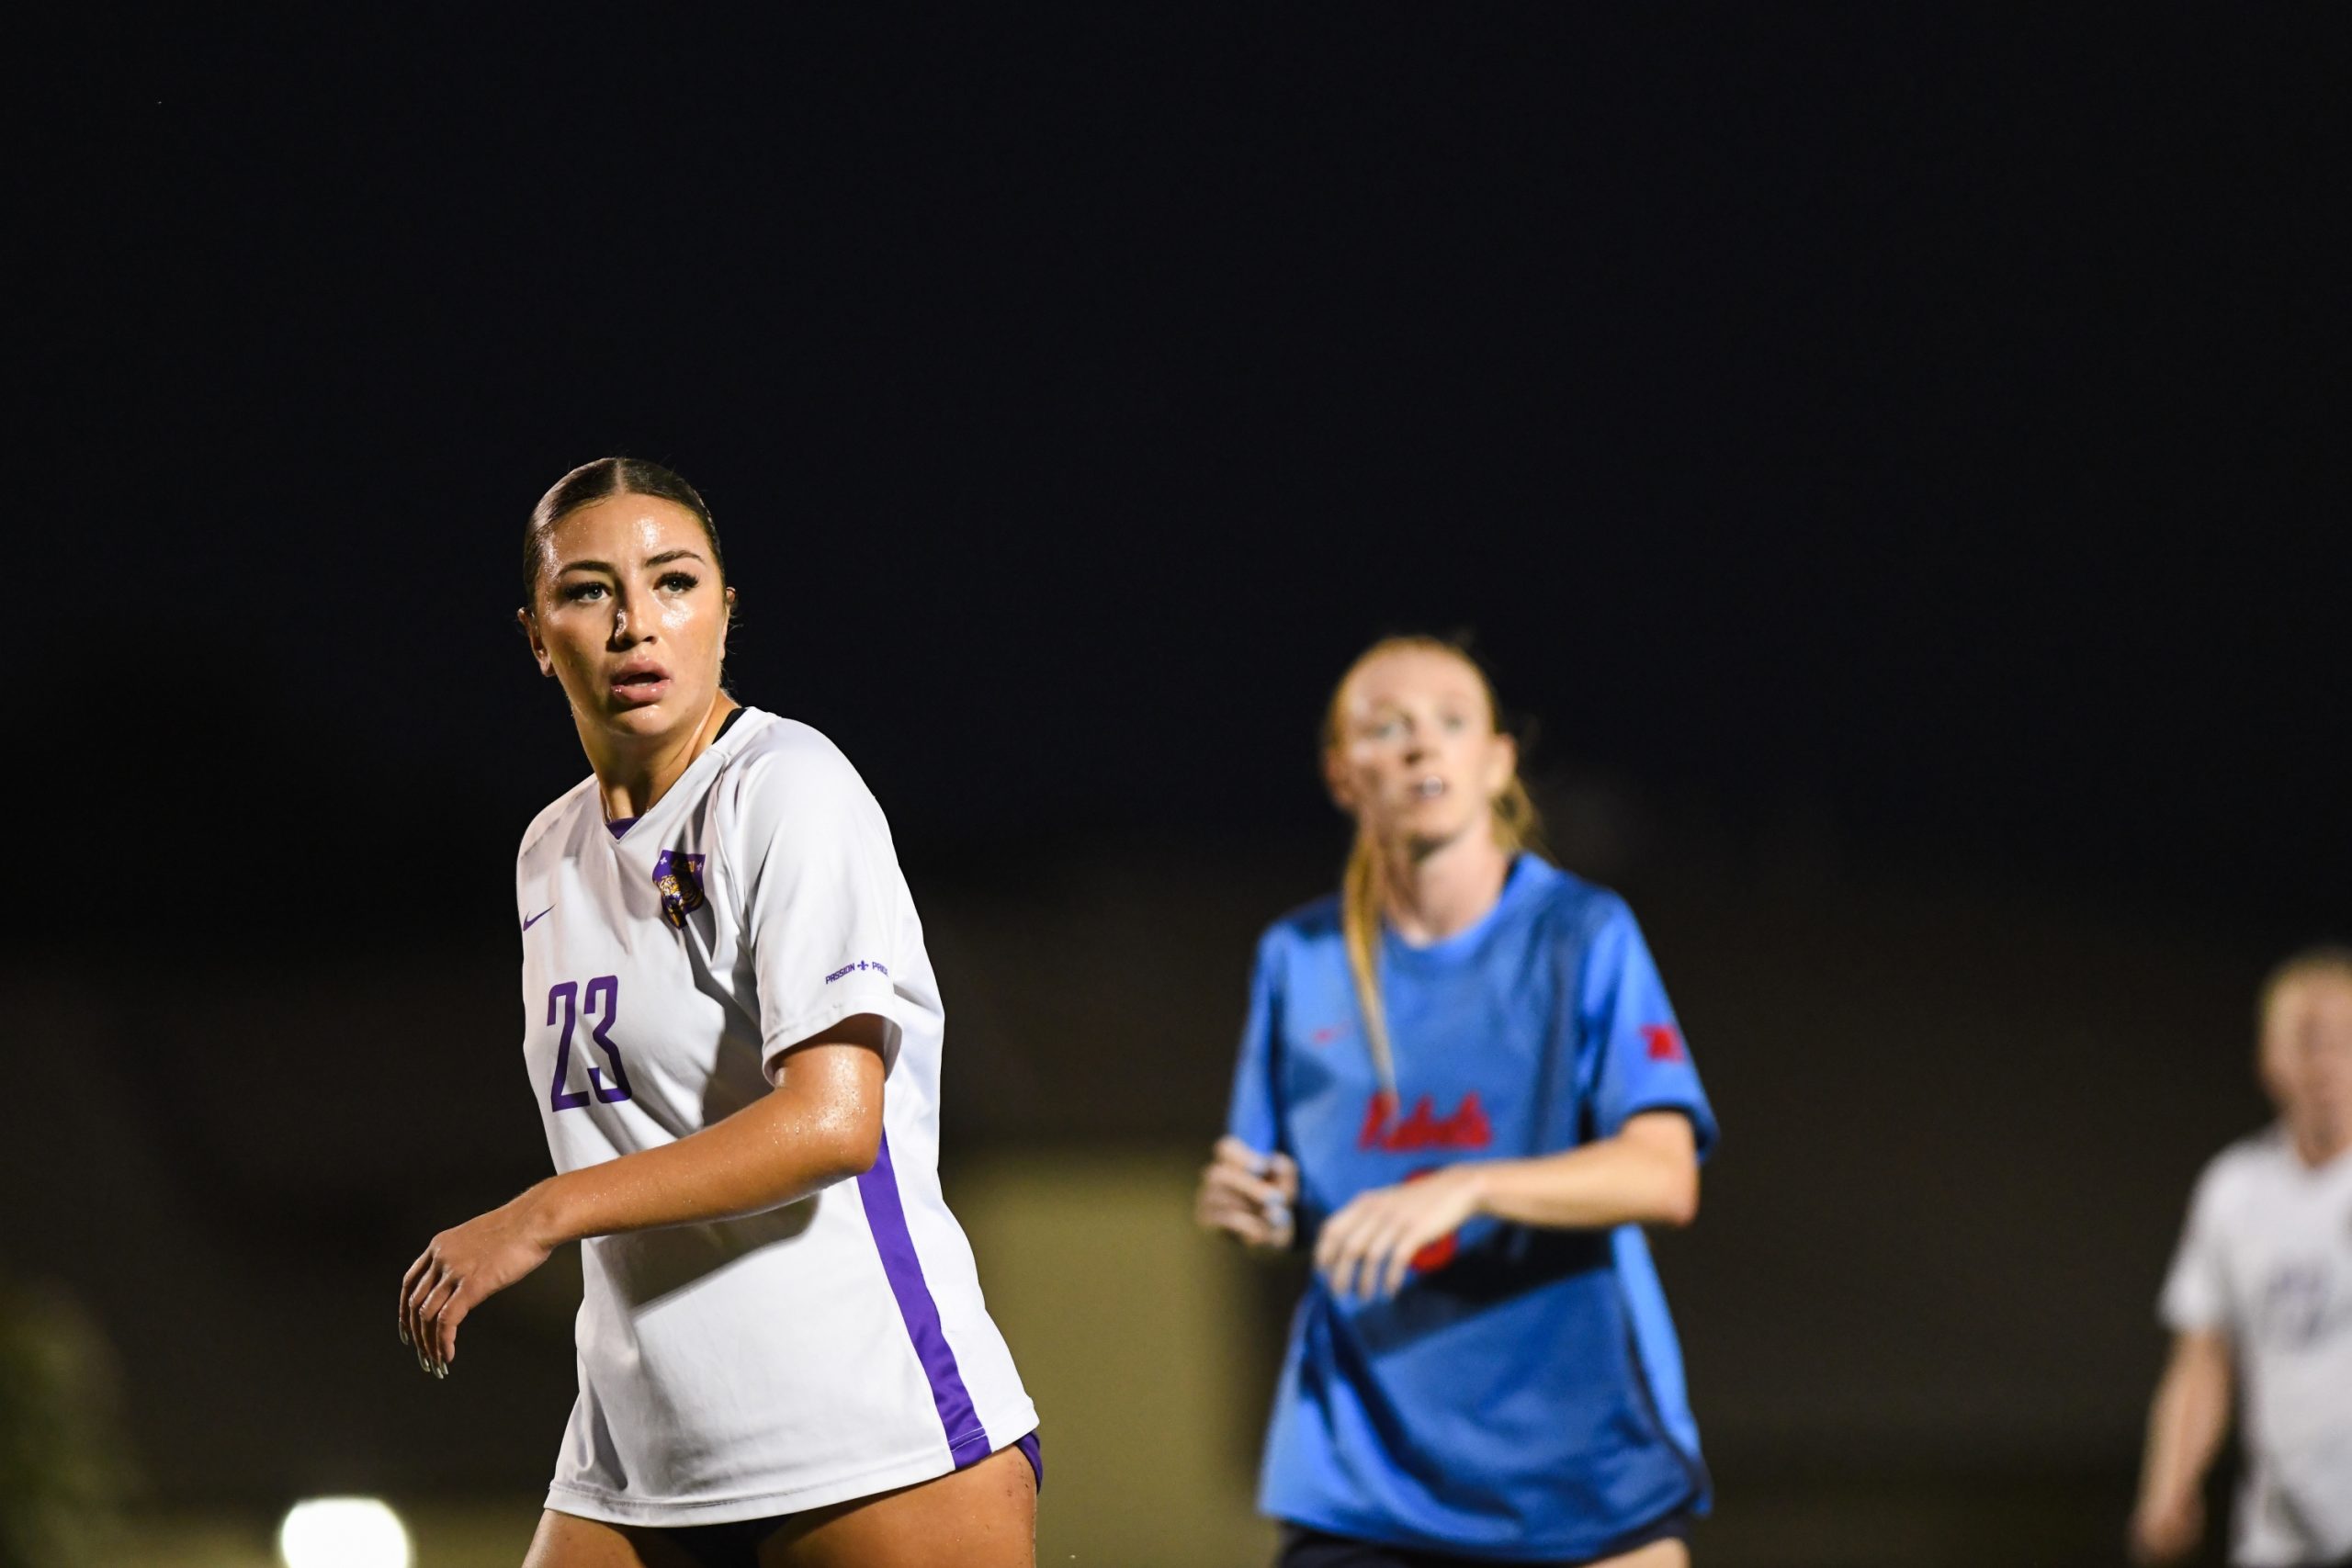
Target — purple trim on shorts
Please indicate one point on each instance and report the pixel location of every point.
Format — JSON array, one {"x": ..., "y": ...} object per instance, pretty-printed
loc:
[
  {"x": 967, "y": 1440},
  {"x": 619, "y": 825},
  {"x": 1035, "y": 1454}
]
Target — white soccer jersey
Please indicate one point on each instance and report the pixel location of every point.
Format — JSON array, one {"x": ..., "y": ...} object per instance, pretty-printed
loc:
[
  {"x": 834, "y": 1348},
  {"x": 2267, "y": 1259}
]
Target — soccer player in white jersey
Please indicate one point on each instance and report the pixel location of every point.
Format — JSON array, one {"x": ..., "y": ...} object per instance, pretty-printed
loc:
[
  {"x": 733, "y": 1035},
  {"x": 2260, "y": 1296}
]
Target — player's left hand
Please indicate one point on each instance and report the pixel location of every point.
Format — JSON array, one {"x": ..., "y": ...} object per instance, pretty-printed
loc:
[
  {"x": 1366, "y": 1247},
  {"x": 462, "y": 1269}
]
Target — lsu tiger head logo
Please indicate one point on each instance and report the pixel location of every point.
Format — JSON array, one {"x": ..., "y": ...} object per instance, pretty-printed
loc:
[{"x": 677, "y": 876}]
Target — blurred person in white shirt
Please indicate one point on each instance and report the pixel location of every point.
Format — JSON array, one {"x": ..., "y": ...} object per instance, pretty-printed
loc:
[{"x": 2259, "y": 1301}]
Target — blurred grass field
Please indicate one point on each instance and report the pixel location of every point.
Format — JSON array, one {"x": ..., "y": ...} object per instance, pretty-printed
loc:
[{"x": 1114, "y": 1304}]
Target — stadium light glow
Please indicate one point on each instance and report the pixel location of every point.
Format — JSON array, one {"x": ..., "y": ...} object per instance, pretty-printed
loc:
[{"x": 344, "y": 1532}]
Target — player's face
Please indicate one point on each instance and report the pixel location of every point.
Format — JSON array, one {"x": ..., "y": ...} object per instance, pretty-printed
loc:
[
  {"x": 2307, "y": 1053},
  {"x": 1418, "y": 759},
  {"x": 632, "y": 615}
]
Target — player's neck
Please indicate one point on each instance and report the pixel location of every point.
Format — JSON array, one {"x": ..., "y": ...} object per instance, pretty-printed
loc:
[
  {"x": 2317, "y": 1144},
  {"x": 634, "y": 772},
  {"x": 1442, "y": 892}
]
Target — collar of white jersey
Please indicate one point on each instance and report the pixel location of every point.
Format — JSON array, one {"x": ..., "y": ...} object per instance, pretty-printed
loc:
[{"x": 738, "y": 728}]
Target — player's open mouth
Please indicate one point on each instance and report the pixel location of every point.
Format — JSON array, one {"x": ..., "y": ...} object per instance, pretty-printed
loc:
[
  {"x": 1429, "y": 788},
  {"x": 644, "y": 685}
]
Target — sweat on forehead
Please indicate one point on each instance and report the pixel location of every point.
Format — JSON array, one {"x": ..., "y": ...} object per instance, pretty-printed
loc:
[{"x": 624, "y": 530}]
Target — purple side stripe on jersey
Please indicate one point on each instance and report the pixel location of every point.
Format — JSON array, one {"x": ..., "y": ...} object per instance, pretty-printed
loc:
[{"x": 967, "y": 1440}]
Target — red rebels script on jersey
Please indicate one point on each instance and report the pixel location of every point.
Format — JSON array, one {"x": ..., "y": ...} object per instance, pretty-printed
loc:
[{"x": 1467, "y": 1128}]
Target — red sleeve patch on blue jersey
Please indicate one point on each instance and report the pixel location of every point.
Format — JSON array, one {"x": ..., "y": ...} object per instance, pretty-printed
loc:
[{"x": 1665, "y": 1042}]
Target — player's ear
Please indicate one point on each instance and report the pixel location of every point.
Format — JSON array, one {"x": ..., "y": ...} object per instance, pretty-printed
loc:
[
  {"x": 2274, "y": 1047},
  {"x": 530, "y": 625},
  {"x": 1502, "y": 764}
]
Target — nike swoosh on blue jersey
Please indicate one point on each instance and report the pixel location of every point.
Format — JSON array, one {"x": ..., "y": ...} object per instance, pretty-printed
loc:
[{"x": 542, "y": 915}]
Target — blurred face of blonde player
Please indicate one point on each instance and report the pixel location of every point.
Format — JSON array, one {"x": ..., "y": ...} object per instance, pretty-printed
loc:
[
  {"x": 630, "y": 616},
  {"x": 1417, "y": 759},
  {"x": 2307, "y": 1059}
]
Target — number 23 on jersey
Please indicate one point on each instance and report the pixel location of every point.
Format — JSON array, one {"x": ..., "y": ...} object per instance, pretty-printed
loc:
[{"x": 568, "y": 1000}]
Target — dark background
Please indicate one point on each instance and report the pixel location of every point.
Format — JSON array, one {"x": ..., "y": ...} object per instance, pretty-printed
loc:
[{"x": 1894, "y": 456}]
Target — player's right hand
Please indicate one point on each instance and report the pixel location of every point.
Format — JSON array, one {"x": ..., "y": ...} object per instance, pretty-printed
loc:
[
  {"x": 462, "y": 1267},
  {"x": 1249, "y": 1195},
  {"x": 2165, "y": 1530}
]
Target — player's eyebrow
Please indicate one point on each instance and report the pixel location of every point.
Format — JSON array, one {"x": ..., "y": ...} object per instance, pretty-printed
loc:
[{"x": 662, "y": 560}]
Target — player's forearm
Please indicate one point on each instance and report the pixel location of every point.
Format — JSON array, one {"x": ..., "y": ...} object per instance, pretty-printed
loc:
[
  {"x": 780, "y": 1148},
  {"x": 1617, "y": 1181},
  {"x": 2187, "y": 1419}
]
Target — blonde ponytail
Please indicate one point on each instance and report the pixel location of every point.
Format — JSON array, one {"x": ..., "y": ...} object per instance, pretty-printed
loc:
[
  {"x": 1518, "y": 825},
  {"x": 1360, "y": 913},
  {"x": 1362, "y": 898}
]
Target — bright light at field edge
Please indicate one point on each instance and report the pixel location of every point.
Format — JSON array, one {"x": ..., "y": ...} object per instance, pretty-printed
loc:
[{"x": 342, "y": 1532}]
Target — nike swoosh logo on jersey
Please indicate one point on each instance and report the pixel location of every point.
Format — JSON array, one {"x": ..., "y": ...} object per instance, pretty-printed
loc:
[{"x": 542, "y": 915}]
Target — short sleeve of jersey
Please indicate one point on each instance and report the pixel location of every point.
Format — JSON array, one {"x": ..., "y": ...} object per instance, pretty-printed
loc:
[
  {"x": 1254, "y": 1114},
  {"x": 1632, "y": 1058},
  {"x": 822, "y": 896},
  {"x": 2196, "y": 1295}
]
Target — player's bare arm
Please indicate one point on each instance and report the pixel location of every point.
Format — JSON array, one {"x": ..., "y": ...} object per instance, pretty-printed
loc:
[
  {"x": 821, "y": 1125},
  {"x": 1646, "y": 1175},
  {"x": 2187, "y": 1421}
]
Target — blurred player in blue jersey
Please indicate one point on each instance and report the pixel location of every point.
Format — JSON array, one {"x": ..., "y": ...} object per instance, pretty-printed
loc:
[{"x": 1461, "y": 1086}]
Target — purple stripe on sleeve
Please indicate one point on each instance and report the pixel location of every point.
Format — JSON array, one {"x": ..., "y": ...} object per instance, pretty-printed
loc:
[{"x": 879, "y": 1188}]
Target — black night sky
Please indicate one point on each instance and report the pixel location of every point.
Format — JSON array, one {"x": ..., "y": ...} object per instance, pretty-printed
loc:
[{"x": 1931, "y": 426}]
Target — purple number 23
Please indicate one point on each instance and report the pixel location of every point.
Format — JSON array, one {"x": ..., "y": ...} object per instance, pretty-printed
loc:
[{"x": 567, "y": 998}]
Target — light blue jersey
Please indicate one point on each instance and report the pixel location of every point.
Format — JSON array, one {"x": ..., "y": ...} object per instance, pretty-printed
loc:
[{"x": 1522, "y": 1397}]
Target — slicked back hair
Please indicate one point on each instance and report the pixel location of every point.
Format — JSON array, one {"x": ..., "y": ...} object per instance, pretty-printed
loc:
[{"x": 596, "y": 482}]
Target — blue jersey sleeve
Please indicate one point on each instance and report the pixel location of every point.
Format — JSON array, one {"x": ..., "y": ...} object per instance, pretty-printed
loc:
[
  {"x": 1632, "y": 1056},
  {"x": 1254, "y": 1115}
]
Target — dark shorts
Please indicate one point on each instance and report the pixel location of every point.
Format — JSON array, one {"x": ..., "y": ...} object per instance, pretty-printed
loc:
[
  {"x": 736, "y": 1545},
  {"x": 1304, "y": 1548}
]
